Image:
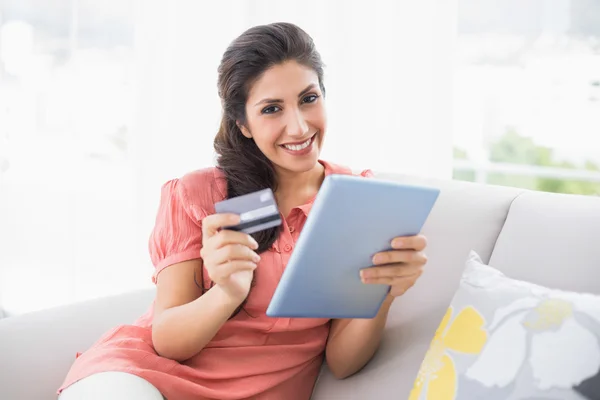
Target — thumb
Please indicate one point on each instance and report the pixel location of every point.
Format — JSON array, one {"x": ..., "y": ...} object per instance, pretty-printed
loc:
[{"x": 215, "y": 222}]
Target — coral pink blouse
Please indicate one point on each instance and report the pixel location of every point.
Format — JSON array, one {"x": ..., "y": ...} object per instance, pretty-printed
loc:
[{"x": 252, "y": 356}]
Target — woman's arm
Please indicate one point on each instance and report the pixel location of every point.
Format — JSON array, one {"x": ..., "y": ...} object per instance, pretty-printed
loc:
[
  {"x": 184, "y": 319},
  {"x": 353, "y": 342}
]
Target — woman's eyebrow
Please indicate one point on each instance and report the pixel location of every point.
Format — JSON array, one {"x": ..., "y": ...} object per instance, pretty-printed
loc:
[
  {"x": 270, "y": 101},
  {"x": 308, "y": 88}
]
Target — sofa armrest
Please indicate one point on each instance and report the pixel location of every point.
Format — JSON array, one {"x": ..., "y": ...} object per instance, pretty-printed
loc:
[{"x": 37, "y": 349}]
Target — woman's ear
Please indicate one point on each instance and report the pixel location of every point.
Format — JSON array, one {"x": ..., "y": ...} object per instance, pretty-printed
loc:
[{"x": 244, "y": 130}]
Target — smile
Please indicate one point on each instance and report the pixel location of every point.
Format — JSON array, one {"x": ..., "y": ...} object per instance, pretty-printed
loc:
[{"x": 301, "y": 146}]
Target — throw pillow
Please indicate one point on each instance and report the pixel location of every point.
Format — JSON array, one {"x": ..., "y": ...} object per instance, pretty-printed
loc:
[{"x": 507, "y": 339}]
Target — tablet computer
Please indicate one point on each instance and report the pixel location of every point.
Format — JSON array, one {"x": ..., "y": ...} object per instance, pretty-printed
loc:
[{"x": 352, "y": 218}]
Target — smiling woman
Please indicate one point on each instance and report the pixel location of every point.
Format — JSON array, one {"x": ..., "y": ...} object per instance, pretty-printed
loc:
[{"x": 210, "y": 337}]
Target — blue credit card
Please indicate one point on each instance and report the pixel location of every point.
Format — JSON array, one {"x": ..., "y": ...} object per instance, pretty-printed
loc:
[{"x": 258, "y": 211}]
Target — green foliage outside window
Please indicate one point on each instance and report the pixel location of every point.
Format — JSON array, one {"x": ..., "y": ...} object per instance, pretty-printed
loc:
[{"x": 516, "y": 149}]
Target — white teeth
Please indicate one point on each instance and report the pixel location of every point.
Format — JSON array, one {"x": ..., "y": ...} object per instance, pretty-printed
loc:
[{"x": 297, "y": 147}]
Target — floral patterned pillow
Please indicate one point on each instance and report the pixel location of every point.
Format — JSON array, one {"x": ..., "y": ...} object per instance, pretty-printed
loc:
[{"x": 507, "y": 339}]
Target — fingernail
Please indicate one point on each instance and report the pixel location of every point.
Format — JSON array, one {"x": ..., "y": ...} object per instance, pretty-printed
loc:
[
  {"x": 378, "y": 258},
  {"x": 254, "y": 244},
  {"x": 397, "y": 243},
  {"x": 364, "y": 275},
  {"x": 256, "y": 258}
]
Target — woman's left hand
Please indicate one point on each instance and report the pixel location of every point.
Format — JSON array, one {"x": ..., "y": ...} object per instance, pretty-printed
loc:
[{"x": 401, "y": 267}]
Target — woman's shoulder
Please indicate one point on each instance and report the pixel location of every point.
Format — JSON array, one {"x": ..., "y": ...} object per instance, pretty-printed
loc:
[
  {"x": 198, "y": 190},
  {"x": 334, "y": 168}
]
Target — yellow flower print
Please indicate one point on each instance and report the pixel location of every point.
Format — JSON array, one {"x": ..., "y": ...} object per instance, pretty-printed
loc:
[
  {"x": 550, "y": 314},
  {"x": 437, "y": 375}
]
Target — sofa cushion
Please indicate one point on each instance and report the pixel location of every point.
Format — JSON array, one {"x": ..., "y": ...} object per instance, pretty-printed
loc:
[
  {"x": 552, "y": 240},
  {"x": 466, "y": 216},
  {"x": 503, "y": 338}
]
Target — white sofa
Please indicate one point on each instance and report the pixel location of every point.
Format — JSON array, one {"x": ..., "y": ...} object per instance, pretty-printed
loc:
[{"x": 549, "y": 239}]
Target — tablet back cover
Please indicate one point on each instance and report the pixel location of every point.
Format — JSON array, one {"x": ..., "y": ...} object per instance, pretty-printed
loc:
[{"x": 352, "y": 218}]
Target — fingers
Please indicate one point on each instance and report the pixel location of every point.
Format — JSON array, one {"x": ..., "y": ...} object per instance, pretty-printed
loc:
[
  {"x": 227, "y": 245},
  {"x": 417, "y": 242},
  {"x": 220, "y": 263},
  {"x": 225, "y": 237},
  {"x": 224, "y": 271},
  {"x": 216, "y": 256},
  {"x": 405, "y": 280},
  {"x": 213, "y": 223},
  {"x": 390, "y": 272},
  {"x": 234, "y": 252},
  {"x": 399, "y": 268},
  {"x": 226, "y": 252},
  {"x": 400, "y": 256}
]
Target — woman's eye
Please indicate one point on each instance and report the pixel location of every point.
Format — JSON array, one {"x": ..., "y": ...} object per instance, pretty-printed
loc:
[
  {"x": 270, "y": 110},
  {"x": 310, "y": 98}
]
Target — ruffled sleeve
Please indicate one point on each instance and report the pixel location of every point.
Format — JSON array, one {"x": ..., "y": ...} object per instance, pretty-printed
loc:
[{"x": 177, "y": 233}]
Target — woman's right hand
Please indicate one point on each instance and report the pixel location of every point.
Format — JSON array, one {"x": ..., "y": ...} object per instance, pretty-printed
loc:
[{"x": 228, "y": 256}]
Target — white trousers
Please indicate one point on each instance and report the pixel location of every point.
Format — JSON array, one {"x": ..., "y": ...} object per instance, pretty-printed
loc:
[{"x": 111, "y": 386}]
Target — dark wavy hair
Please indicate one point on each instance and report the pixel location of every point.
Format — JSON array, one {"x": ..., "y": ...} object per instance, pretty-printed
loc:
[{"x": 245, "y": 167}]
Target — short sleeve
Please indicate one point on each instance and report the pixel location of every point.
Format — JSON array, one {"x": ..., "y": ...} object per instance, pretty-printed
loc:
[{"x": 177, "y": 233}]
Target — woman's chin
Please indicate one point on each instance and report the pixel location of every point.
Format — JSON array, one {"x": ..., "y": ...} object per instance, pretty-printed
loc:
[{"x": 295, "y": 164}]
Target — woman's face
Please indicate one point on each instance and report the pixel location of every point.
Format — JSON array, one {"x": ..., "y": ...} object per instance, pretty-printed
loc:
[{"x": 286, "y": 116}]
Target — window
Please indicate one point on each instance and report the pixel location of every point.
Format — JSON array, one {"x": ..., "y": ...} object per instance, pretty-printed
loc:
[
  {"x": 66, "y": 106},
  {"x": 528, "y": 94}
]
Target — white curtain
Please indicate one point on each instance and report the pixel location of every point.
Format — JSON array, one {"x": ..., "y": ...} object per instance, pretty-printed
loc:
[{"x": 389, "y": 69}]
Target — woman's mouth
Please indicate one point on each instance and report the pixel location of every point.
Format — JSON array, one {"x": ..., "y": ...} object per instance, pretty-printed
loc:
[{"x": 300, "y": 148}]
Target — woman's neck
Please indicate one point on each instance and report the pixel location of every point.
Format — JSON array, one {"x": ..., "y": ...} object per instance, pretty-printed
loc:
[{"x": 295, "y": 189}]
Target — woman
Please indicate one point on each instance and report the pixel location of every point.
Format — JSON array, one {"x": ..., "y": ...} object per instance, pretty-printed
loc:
[{"x": 207, "y": 336}]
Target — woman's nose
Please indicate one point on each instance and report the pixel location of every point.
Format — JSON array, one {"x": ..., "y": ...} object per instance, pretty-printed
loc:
[{"x": 296, "y": 124}]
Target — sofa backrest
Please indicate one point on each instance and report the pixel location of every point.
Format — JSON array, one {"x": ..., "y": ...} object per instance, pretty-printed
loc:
[{"x": 552, "y": 240}]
